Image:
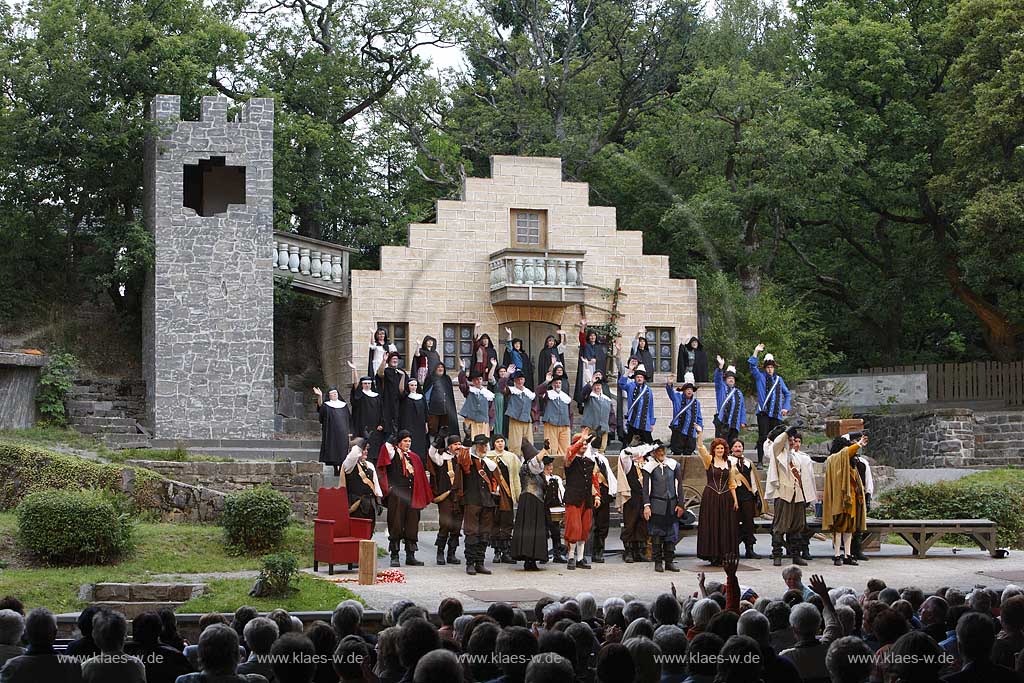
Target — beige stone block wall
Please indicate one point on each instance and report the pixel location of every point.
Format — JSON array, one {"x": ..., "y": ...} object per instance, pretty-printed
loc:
[{"x": 443, "y": 275}]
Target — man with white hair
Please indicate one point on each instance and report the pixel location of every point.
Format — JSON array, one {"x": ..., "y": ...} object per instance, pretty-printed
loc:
[
  {"x": 775, "y": 669},
  {"x": 112, "y": 664},
  {"x": 260, "y": 634},
  {"x": 808, "y": 655},
  {"x": 588, "y": 605},
  {"x": 40, "y": 662},
  {"x": 12, "y": 625},
  {"x": 702, "y": 612}
]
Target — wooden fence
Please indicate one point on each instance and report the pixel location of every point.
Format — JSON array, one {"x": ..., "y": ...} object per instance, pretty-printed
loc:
[{"x": 981, "y": 381}]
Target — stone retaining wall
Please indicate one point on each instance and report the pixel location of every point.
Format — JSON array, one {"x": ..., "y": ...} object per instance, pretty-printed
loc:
[
  {"x": 300, "y": 481},
  {"x": 950, "y": 437}
]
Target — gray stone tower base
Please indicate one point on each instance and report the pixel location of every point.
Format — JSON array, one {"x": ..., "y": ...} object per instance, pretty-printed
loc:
[{"x": 208, "y": 320}]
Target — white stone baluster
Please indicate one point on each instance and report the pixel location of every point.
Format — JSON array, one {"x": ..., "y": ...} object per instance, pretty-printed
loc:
[
  {"x": 527, "y": 271},
  {"x": 517, "y": 271},
  {"x": 336, "y": 268},
  {"x": 560, "y": 271},
  {"x": 304, "y": 260},
  {"x": 573, "y": 274},
  {"x": 282, "y": 255},
  {"x": 293, "y": 258},
  {"x": 315, "y": 265},
  {"x": 552, "y": 271},
  {"x": 275, "y": 254}
]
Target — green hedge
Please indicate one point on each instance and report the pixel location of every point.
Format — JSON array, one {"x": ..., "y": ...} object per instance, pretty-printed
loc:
[
  {"x": 255, "y": 520},
  {"x": 74, "y": 527},
  {"x": 26, "y": 469},
  {"x": 964, "y": 499}
]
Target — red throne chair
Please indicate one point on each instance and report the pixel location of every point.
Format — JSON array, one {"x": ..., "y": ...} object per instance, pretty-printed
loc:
[{"x": 336, "y": 536}]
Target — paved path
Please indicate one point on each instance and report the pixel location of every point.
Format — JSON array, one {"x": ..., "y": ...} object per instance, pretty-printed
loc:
[
  {"x": 930, "y": 476},
  {"x": 427, "y": 585}
]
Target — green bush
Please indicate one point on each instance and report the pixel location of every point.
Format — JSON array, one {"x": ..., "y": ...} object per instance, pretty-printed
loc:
[
  {"x": 75, "y": 527},
  {"x": 26, "y": 469},
  {"x": 55, "y": 382},
  {"x": 999, "y": 502},
  {"x": 255, "y": 519},
  {"x": 276, "y": 575}
]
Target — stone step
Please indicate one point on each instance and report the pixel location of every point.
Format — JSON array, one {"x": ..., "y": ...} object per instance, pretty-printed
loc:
[
  {"x": 123, "y": 441},
  {"x": 103, "y": 421},
  {"x": 142, "y": 592},
  {"x": 133, "y": 609},
  {"x": 101, "y": 429}
]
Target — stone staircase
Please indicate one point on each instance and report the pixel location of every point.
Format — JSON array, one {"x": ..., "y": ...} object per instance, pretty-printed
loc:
[
  {"x": 998, "y": 439},
  {"x": 132, "y": 599},
  {"x": 111, "y": 410}
]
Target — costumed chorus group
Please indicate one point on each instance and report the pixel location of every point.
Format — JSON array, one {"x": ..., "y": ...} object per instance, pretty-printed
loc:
[{"x": 402, "y": 443}]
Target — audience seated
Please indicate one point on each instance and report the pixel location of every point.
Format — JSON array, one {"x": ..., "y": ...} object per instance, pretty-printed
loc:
[
  {"x": 217, "y": 654},
  {"x": 12, "y": 626},
  {"x": 40, "y": 661},
  {"x": 260, "y": 633},
  {"x": 163, "y": 663},
  {"x": 112, "y": 663}
]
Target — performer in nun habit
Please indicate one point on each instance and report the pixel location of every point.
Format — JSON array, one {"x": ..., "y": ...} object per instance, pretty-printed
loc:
[
  {"x": 519, "y": 410},
  {"x": 772, "y": 397},
  {"x": 692, "y": 359},
  {"x": 639, "y": 401},
  {"x": 335, "y": 427},
  {"x": 554, "y": 502},
  {"x": 367, "y": 412},
  {"x": 425, "y": 359},
  {"x": 731, "y": 409},
  {"x": 608, "y": 488},
  {"x": 686, "y": 418},
  {"x": 497, "y": 385},
  {"x": 790, "y": 484},
  {"x": 553, "y": 406},
  {"x": 476, "y": 409},
  {"x": 479, "y": 497},
  {"x": 631, "y": 501},
  {"x": 717, "y": 536},
  {"x": 380, "y": 347},
  {"x": 582, "y": 495},
  {"x": 598, "y": 411},
  {"x": 446, "y": 485},
  {"x": 412, "y": 415},
  {"x": 593, "y": 357},
  {"x": 403, "y": 480},
  {"x": 361, "y": 484},
  {"x": 642, "y": 352},
  {"x": 529, "y": 532},
  {"x": 748, "y": 495},
  {"x": 509, "y": 488},
  {"x": 551, "y": 355},
  {"x": 844, "y": 508},
  {"x": 515, "y": 355},
  {"x": 663, "y": 500},
  {"x": 485, "y": 357},
  {"x": 439, "y": 393},
  {"x": 391, "y": 379}
]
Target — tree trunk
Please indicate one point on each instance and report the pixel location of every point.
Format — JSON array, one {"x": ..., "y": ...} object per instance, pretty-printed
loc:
[{"x": 1000, "y": 334}]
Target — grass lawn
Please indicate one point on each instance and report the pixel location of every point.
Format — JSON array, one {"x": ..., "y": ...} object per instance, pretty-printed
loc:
[
  {"x": 313, "y": 595},
  {"x": 52, "y": 436},
  {"x": 1000, "y": 476},
  {"x": 162, "y": 548},
  {"x": 173, "y": 455}
]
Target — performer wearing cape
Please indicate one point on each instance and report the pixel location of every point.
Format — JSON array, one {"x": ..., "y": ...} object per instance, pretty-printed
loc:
[
  {"x": 446, "y": 484},
  {"x": 519, "y": 410},
  {"x": 479, "y": 494},
  {"x": 692, "y": 359},
  {"x": 552, "y": 354},
  {"x": 403, "y": 481},
  {"x": 731, "y": 409},
  {"x": 553, "y": 407},
  {"x": 686, "y": 418},
  {"x": 412, "y": 415},
  {"x": 509, "y": 486},
  {"x": 529, "y": 533},
  {"x": 663, "y": 506},
  {"x": 844, "y": 508},
  {"x": 598, "y": 410},
  {"x": 367, "y": 412},
  {"x": 639, "y": 411},
  {"x": 515, "y": 355},
  {"x": 361, "y": 484},
  {"x": 439, "y": 394},
  {"x": 582, "y": 495},
  {"x": 631, "y": 500},
  {"x": 748, "y": 495},
  {"x": 476, "y": 409},
  {"x": 642, "y": 352},
  {"x": 772, "y": 397},
  {"x": 608, "y": 487},
  {"x": 593, "y": 357},
  {"x": 335, "y": 427},
  {"x": 485, "y": 357},
  {"x": 424, "y": 360},
  {"x": 391, "y": 379},
  {"x": 380, "y": 347}
]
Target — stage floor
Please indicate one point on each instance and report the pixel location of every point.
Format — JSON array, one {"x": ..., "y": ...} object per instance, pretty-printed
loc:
[{"x": 428, "y": 584}]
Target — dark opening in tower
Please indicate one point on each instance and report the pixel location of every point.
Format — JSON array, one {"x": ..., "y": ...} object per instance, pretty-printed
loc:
[{"x": 210, "y": 186}]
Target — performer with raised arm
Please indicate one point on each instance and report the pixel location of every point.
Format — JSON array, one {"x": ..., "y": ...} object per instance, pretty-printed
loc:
[
  {"x": 731, "y": 413},
  {"x": 516, "y": 357},
  {"x": 553, "y": 406},
  {"x": 424, "y": 359},
  {"x": 791, "y": 486},
  {"x": 598, "y": 410},
  {"x": 485, "y": 357},
  {"x": 844, "y": 508},
  {"x": 509, "y": 487},
  {"x": 367, "y": 413},
  {"x": 361, "y": 484},
  {"x": 403, "y": 480},
  {"x": 335, "y": 428},
  {"x": 772, "y": 397},
  {"x": 529, "y": 533},
  {"x": 582, "y": 495},
  {"x": 692, "y": 359},
  {"x": 519, "y": 410},
  {"x": 551, "y": 355},
  {"x": 446, "y": 485},
  {"x": 439, "y": 393},
  {"x": 686, "y": 418},
  {"x": 497, "y": 386},
  {"x": 717, "y": 527},
  {"x": 476, "y": 409},
  {"x": 639, "y": 411},
  {"x": 479, "y": 497},
  {"x": 663, "y": 506},
  {"x": 631, "y": 501},
  {"x": 748, "y": 495},
  {"x": 412, "y": 415},
  {"x": 390, "y": 382},
  {"x": 593, "y": 357},
  {"x": 380, "y": 347},
  {"x": 640, "y": 350}
]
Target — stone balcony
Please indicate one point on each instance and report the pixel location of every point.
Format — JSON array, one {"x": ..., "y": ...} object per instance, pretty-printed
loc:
[
  {"x": 538, "y": 277},
  {"x": 314, "y": 266}
]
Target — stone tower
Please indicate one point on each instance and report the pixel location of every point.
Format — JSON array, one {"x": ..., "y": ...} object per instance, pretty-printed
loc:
[{"x": 208, "y": 320}]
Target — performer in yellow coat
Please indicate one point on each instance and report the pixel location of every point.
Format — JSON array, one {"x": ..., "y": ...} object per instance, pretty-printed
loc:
[{"x": 844, "y": 511}]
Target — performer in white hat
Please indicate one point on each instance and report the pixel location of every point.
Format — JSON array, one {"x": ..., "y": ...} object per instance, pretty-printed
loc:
[{"x": 772, "y": 397}]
